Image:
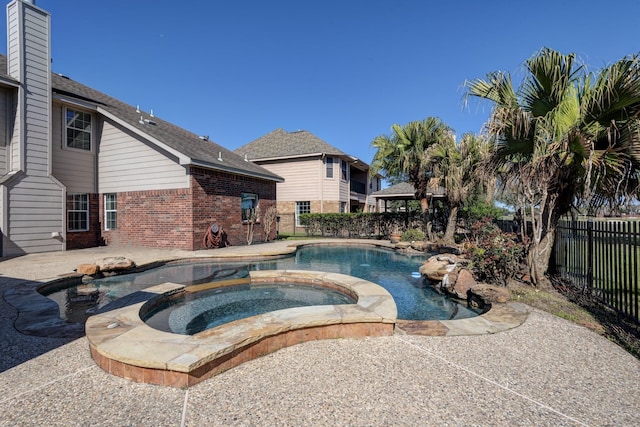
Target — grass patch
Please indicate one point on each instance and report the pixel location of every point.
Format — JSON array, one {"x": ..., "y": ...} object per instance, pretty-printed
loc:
[
  {"x": 556, "y": 304},
  {"x": 569, "y": 303}
]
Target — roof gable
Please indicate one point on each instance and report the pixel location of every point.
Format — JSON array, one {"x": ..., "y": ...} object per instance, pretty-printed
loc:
[
  {"x": 193, "y": 149},
  {"x": 281, "y": 144}
]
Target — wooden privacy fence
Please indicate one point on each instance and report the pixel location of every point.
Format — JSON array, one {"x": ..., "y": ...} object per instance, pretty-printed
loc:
[{"x": 603, "y": 258}]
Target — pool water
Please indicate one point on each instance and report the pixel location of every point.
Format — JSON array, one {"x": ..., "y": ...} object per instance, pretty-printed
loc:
[
  {"x": 203, "y": 310},
  {"x": 79, "y": 302},
  {"x": 395, "y": 272}
]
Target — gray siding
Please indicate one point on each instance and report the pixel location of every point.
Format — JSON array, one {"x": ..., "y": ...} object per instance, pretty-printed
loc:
[
  {"x": 4, "y": 134},
  {"x": 128, "y": 164},
  {"x": 35, "y": 210},
  {"x": 14, "y": 69},
  {"x": 35, "y": 201},
  {"x": 76, "y": 169}
]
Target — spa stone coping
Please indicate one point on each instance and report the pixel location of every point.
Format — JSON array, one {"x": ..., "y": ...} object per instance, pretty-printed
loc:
[{"x": 122, "y": 335}]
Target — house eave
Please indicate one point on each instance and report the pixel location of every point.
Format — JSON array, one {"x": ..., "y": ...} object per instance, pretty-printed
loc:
[
  {"x": 236, "y": 171},
  {"x": 9, "y": 82},
  {"x": 75, "y": 102},
  {"x": 294, "y": 156}
]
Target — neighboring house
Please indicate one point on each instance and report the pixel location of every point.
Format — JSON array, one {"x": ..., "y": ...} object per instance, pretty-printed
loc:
[
  {"x": 80, "y": 169},
  {"x": 318, "y": 178}
]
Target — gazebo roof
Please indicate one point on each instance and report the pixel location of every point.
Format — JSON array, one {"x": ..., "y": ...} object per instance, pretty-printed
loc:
[{"x": 406, "y": 191}]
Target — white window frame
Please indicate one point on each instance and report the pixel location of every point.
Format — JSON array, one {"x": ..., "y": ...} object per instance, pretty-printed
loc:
[
  {"x": 110, "y": 211},
  {"x": 74, "y": 125},
  {"x": 329, "y": 167},
  {"x": 77, "y": 206},
  {"x": 299, "y": 210}
]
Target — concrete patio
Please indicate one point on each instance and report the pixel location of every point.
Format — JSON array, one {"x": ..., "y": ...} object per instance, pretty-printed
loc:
[{"x": 547, "y": 371}]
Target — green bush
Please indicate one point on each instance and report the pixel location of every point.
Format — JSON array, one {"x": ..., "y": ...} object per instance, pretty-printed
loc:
[
  {"x": 412, "y": 234},
  {"x": 495, "y": 256},
  {"x": 360, "y": 224}
]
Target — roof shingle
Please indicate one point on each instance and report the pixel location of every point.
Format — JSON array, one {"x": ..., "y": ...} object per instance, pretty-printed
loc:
[
  {"x": 198, "y": 151},
  {"x": 282, "y": 144}
]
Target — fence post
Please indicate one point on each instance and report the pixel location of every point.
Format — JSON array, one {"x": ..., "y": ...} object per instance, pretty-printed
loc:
[{"x": 590, "y": 259}]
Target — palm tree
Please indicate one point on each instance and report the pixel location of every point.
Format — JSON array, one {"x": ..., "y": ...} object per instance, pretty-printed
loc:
[
  {"x": 563, "y": 138},
  {"x": 456, "y": 167},
  {"x": 402, "y": 153}
]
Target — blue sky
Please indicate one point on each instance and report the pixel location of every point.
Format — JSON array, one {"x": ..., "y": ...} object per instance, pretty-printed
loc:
[{"x": 345, "y": 70}]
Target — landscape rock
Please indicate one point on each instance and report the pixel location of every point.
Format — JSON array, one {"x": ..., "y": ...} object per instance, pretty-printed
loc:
[
  {"x": 483, "y": 296},
  {"x": 436, "y": 267},
  {"x": 115, "y": 264},
  {"x": 418, "y": 245},
  {"x": 403, "y": 245},
  {"x": 86, "y": 289},
  {"x": 88, "y": 269},
  {"x": 440, "y": 248},
  {"x": 464, "y": 281}
]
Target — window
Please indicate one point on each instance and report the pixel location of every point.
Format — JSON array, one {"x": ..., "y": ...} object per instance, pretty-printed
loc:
[
  {"x": 343, "y": 207},
  {"x": 343, "y": 169},
  {"x": 110, "y": 212},
  {"x": 77, "y": 212},
  {"x": 78, "y": 125},
  {"x": 329, "y": 163},
  {"x": 249, "y": 205},
  {"x": 302, "y": 208}
]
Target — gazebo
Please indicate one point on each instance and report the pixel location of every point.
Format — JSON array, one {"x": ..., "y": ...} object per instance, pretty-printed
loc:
[{"x": 405, "y": 191}]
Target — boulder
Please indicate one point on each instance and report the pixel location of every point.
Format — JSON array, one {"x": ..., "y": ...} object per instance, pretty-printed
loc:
[
  {"x": 86, "y": 289},
  {"x": 88, "y": 269},
  {"x": 483, "y": 296},
  {"x": 436, "y": 267},
  {"x": 464, "y": 281},
  {"x": 440, "y": 248},
  {"x": 115, "y": 264},
  {"x": 403, "y": 245},
  {"x": 418, "y": 245}
]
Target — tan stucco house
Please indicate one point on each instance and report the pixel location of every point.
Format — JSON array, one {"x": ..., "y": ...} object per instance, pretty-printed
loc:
[
  {"x": 79, "y": 168},
  {"x": 318, "y": 177}
]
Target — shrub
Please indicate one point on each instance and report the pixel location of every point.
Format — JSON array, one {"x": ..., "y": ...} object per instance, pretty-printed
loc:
[
  {"x": 495, "y": 256},
  {"x": 412, "y": 234}
]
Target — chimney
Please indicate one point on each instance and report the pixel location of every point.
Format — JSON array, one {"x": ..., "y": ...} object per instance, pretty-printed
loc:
[{"x": 29, "y": 62}]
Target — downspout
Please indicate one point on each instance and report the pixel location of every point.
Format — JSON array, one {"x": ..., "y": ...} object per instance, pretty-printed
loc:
[{"x": 323, "y": 168}]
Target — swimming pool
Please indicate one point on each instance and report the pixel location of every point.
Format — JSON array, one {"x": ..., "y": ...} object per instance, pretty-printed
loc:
[{"x": 395, "y": 272}]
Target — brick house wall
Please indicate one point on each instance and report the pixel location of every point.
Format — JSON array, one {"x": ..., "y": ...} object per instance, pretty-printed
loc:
[
  {"x": 178, "y": 219},
  {"x": 217, "y": 199},
  {"x": 90, "y": 238},
  {"x": 154, "y": 218}
]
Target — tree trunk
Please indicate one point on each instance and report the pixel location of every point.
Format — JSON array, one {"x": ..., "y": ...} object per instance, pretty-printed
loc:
[
  {"x": 538, "y": 260},
  {"x": 452, "y": 222},
  {"x": 424, "y": 205}
]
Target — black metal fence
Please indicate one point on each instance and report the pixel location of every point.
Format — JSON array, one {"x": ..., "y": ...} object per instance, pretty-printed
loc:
[{"x": 602, "y": 257}]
